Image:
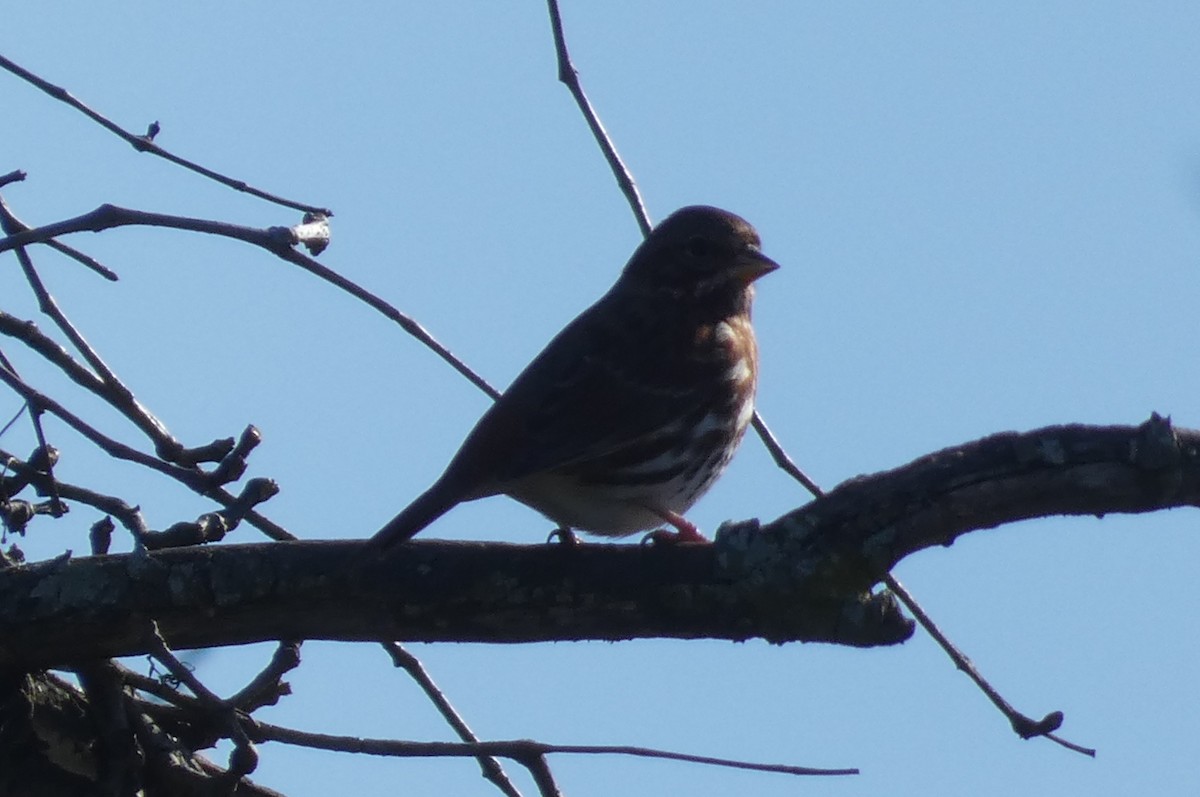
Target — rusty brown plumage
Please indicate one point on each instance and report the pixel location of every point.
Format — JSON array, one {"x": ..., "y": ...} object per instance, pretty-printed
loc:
[{"x": 635, "y": 408}]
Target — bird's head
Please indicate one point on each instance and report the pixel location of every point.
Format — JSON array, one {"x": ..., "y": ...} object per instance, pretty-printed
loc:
[{"x": 701, "y": 252}]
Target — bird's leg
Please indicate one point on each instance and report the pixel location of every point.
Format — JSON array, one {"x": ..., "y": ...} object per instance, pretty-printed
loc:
[
  {"x": 685, "y": 530},
  {"x": 563, "y": 536}
]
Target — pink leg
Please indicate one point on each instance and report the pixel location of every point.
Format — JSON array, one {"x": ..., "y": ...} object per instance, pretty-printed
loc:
[{"x": 685, "y": 530}]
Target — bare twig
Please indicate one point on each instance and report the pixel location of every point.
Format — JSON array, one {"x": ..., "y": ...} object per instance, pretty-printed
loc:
[
  {"x": 35, "y": 418},
  {"x": 515, "y": 749},
  {"x": 191, "y": 478},
  {"x": 86, "y": 260},
  {"x": 100, "y": 535},
  {"x": 233, "y": 465},
  {"x": 106, "y": 386},
  {"x": 194, "y": 479},
  {"x": 278, "y": 240},
  {"x": 146, "y": 143},
  {"x": 46, "y": 484},
  {"x": 189, "y": 533},
  {"x": 19, "y": 226},
  {"x": 15, "y": 176},
  {"x": 115, "y": 392},
  {"x": 1025, "y": 727},
  {"x": 782, "y": 460},
  {"x": 539, "y": 768},
  {"x": 492, "y": 770},
  {"x": 191, "y": 719},
  {"x": 160, "y": 690},
  {"x": 570, "y": 78},
  {"x": 243, "y": 759},
  {"x": 24, "y": 473},
  {"x": 266, "y": 687}
]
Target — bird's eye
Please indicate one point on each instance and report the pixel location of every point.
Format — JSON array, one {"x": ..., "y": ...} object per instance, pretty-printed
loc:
[{"x": 698, "y": 246}]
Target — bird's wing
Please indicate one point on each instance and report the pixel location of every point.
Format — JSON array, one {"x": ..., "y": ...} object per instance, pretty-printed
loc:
[{"x": 600, "y": 387}]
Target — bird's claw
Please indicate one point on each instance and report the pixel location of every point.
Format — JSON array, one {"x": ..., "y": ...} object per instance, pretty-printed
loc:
[
  {"x": 668, "y": 537},
  {"x": 563, "y": 536}
]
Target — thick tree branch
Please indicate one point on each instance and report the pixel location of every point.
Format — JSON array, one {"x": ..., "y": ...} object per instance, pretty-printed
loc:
[{"x": 803, "y": 577}]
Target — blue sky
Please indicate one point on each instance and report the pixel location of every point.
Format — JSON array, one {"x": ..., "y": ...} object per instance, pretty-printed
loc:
[{"x": 988, "y": 219}]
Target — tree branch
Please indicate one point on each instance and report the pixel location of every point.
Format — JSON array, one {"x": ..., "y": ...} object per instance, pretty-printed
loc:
[
  {"x": 277, "y": 240},
  {"x": 803, "y": 577},
  {"x": 146, "y": 143}
]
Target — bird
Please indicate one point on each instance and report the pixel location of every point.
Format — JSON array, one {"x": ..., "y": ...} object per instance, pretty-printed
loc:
[{"x": 636, "y": 407}]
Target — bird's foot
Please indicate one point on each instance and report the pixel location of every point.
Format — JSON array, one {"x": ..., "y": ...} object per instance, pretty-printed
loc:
[{"x": 685, "y": 531}]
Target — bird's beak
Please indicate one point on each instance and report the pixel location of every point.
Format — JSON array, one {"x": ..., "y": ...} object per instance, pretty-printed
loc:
[{"x": 752, "y": 265}]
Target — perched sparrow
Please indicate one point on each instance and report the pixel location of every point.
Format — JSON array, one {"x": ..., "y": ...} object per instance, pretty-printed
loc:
[{"x": 632, "y": 412}]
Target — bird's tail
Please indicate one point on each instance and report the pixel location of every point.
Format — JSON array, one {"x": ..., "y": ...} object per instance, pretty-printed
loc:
[{"x": 426, "y": 508}]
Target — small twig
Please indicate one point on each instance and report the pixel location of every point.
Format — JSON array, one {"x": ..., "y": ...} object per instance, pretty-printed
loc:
[
  {"x": 570, "y": 78},
  {"x": 277, "y": 240},
  {"x": 159, "y": 649},
  {"x": 36, "y": 409},
  {"x": 106, "y": 386},
  {"x": 233, "y": 465},
  {"x": 115, "y": 392},
  {"x": 11, "y": 422},
  {"x": 176, "y": 769},
  {"x": 24, "y": 473},
  {"x": 15, "y": 176},
  {"x": 1025, "y": 727},
  {"x": 492, "y": 770},
  {"x": 130, "y": 516},
  {"x": 28, "y": 333},
  {"x": 74, "y": 254},
  {"x": 213, "y": 526},
  {"x": 196, "y": 715},
  {"x": 781, "y": 457},
  {"x": 100, "y": 535},
  {"x": 194, "y": 479},
  {"x": 266, "y": 687},
  {"x": 86, "y": 260},
  {"x": 243, "y": 759},
  {"x": 146, "y": 143},
  {"x": 110, "y": 387},
  {"x": 160, "y": 690},
  {"x": 542, "y": 776},
  {"x": 209, "y": 527},
  {"x": 254, "y": 518},
  {"x": 515, "y": 749},
  {"x": 256, "y": 491}
]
